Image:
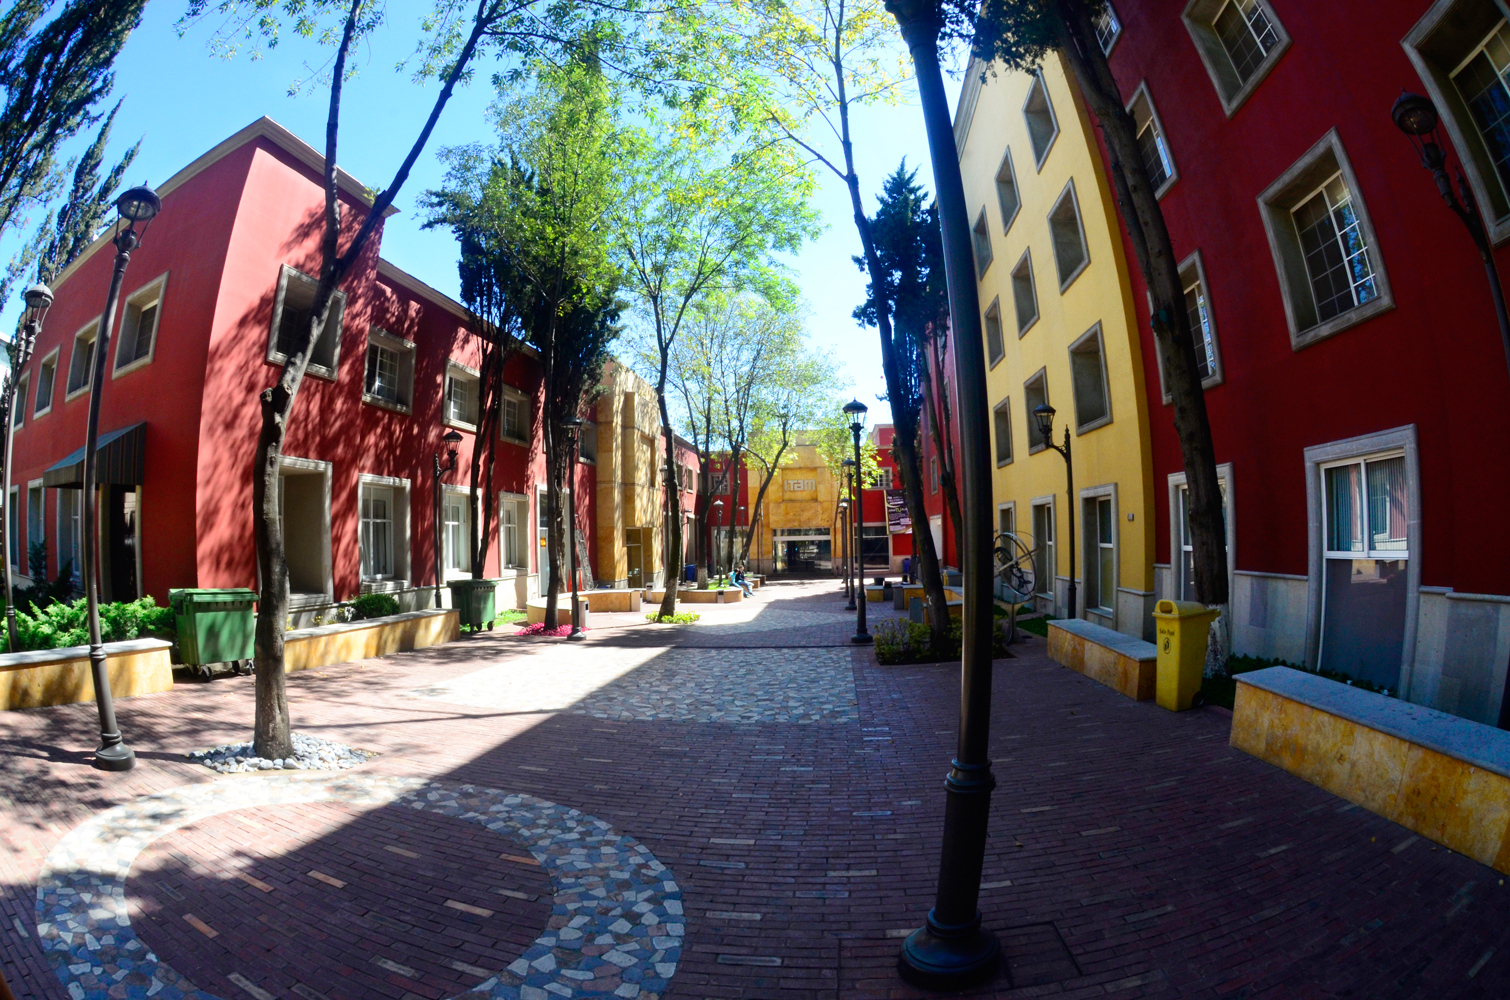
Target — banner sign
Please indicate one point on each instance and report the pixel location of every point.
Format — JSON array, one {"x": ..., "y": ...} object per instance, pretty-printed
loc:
[{"x": 897, "y": 520}]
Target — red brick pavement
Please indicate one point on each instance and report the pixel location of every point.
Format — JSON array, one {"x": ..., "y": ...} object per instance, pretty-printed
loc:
[{"x": 1132, "y": 851}]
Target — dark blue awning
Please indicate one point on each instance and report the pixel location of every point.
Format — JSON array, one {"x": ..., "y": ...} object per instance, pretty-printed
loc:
[{"x": 120, "y": 461}]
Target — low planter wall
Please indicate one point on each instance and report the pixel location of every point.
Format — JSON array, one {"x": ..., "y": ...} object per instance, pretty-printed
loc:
[
  {"x": 613, "y": 600},
  {"x": 535, "y": 610},
  {"x": 326, "y": 644},
  {"x": 62, "y": 676},
  {"x": 1445, "y": 778},
  {"x": 1121, "y": 662},
  {"x": 733, "y": 596}
]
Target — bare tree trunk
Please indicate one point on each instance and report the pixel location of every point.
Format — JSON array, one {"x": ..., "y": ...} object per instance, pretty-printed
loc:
[
  {"x": 935, "y": 398},
  {"x": 672, "y": 555}
]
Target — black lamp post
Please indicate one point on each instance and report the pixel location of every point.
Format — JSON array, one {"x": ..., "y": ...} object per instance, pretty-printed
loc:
[
  {"x": 573, "y": 426},
  {"x": 452, "y": 439},
  {"x": 843, "y": 558},
  {"x": 1044, "y": 414},
  {"x": 856, "y": 411},
  {"x": 1417, "y": 117},
  {"x": 139, "y": 204},
  {"x": 38, "y": 299},
  {"x": 849, "y": 537}
]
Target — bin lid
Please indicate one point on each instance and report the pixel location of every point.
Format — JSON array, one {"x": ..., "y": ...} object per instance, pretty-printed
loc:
[
  {"x": 1183, "y": 609},
  {"x": 208, "y": 595}
]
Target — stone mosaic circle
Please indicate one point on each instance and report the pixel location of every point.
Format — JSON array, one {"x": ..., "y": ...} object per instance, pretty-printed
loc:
[{"x": 615, "y": 930}]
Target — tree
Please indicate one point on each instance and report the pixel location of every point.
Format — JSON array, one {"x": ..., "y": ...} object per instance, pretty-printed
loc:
[
  {"x": 1021, "y": 34},
  {"x": 690, "y": 371},
  {"x": 905, "y": 232},
  {"x": 695, "y": 216}
]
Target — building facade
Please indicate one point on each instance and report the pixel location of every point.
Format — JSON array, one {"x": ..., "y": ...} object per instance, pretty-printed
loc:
[{"x": 1060, "y": 329}]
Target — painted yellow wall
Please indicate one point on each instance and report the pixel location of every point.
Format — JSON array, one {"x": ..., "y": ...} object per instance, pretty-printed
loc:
[
  {"x": 787, "y": 508},
  {"x": 629, "y": 427},
  {"x": 990, "y": 122}
]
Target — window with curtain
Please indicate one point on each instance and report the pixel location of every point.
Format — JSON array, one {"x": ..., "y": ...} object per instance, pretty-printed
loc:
[
  {"x": 377, "y": 533},
  {"x": 456, "y": 533},
  {"x": 511, "y": 516}
]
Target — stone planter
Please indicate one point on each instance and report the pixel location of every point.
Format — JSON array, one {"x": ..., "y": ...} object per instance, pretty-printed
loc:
[{"x": 475, "y": 601}]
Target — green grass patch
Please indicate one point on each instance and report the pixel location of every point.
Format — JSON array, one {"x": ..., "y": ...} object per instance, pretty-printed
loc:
[
  {"x": 1036, "y": 626},
  {"x": 1222, "y": 691},
  {"x": 680, "y": 618},
  {"x": 508, "y": 616}
]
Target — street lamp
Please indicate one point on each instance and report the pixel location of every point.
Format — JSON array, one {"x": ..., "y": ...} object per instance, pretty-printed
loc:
[
  {"x": 848, "y": 536},
  {"x": 856, "y": 412},
  {"x": 573, "y": 426},
  {"x": 38, "y": 299},
  {"x": 844, "y": 558},
  {"x": 452, "y": 439},
  {"x": 1417, "y": 117},
  {"x": 1043, "y": 413},
  {"x": 139, "y": 204}
]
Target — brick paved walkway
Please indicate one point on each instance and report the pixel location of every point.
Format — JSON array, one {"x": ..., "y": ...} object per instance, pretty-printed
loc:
[{"x": 725, "y": 819}]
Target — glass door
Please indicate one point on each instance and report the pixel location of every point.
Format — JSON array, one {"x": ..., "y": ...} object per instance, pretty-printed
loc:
[{"x": 1363, "y": 575}]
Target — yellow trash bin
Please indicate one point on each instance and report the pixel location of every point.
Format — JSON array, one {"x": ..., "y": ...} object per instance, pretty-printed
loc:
[{"x": 1182, "y": 628}]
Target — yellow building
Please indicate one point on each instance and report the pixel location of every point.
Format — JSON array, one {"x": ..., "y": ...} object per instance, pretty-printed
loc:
[
  {"x": 799, "y": 529},
  {"x": 628, "y": 451},
  {"x": 1060, "y": 329}
]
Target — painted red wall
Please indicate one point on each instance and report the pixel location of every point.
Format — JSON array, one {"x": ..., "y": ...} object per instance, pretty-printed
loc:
[{"x": 1435, "y": 360}]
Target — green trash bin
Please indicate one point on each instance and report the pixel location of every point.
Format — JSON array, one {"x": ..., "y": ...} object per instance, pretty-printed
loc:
[
  {"x": 475, "y": 601},
  {"x": 215, "y": 626}
]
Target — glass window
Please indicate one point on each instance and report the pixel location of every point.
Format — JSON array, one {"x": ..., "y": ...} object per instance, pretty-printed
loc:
[
  {"x": 382, "y": 373},
  {"x": 1070, "y": 254},
  {"x": 461, "y": 398},
  {"x": 1103, "y": 568},
  {"x": 512, "y": 422},
  {"x": 377, "y": 533},
  {"x": 1035, "y": 393},
  {"x": 1044, "y": 564},
  {"x": 1151, "y": 142},
  {"x": 13, "y": 516},
  {"x": 1039, "y": 114},
  {"x": 509, "y": 519},
  {"x": 1187, "y": 547},
  {"x": 1200, "y": 327},
  {"x": 982, "y": 237},
  {"x": 1336, "y": 253},
  {"x": 456, "y": 533},
  {"x": 1107, "y": 26},
  {"x": 292, "y": 308},
  {"x": 933, "y": 475},
  {"x": 18, "y": 406},
  {"x": 1006, "y": 191},
  {"x": 36, "y": 526},
  {"x": 47, "y": 375},
  {"x": 1088, "y": 379},
  {"x": 138, "y": 328},
  {"x": 1024, "y": 295},
  {"x": 82, "y": 363},
  {"x": 70, "y": 503},
  {"x": 1002, "y": 419},
  {"x": 1482, "y": 83},
  {"x": 1246, "y": 34},
  {"x": 994, "y": 349}
]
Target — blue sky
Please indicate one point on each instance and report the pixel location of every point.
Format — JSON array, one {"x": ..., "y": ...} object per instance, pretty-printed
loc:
[{"x": 182, "y": 100}]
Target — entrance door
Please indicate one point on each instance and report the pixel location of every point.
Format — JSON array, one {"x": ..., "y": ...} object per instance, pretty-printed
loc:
[
  {"x": 936, "y": 529},
  {"x": 1363, "y": 575},
  {"x": 118, "y": 572},
  {"x": 633, "y": 552}
]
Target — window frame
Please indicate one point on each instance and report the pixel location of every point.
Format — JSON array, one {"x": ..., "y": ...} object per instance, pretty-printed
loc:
[
  {"x": 1193, "y": 265},
  {"x": 1094, "y": 333},
  {"x": 980, "y": 238},
  {"x": 336, "y": 315},
  {"x": 454, "y": 367},
  {"x": 1178, "y": 482},
  {"x": 18, "y": 401},
  {"x": 405, "y": 350},
  {"x": 1144, "y": 95},
  {"x": 71, "y": 394},
  {"x": 1325, "y": 160},
  {"x": 399, "y": 541},
  {"x": 53, "y": 356},
  {"x": 520, "y": 504},
  {"x": 1199, "y": 17},
  {"x": 14, "y": 524},
  {"x": 1090, "y": 527},
  {"x": 1107, "y": 8},
  {"x": 1026, "y": 260},
  {"x": 1051, "y": 553},
  {"x": 74, "y": 514},
  {"x": 995, "y": 352},
  {"x": 1041, "y": 376},
  {"x": 1065, "y": 281},
  {"x": 157, "y": 289},
  {"x": 1007, "y": 218},
  {"x": 469, "y": 506},
  {"x": 1040, "y": 86},
  {"x": 511, "y": 394},
  {"x": 1002, "y": 411},
  {"x": 589, "y": 425}
]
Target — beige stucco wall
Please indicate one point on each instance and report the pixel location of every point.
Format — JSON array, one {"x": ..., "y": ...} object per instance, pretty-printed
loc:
[{"x": 628, "y": 489}]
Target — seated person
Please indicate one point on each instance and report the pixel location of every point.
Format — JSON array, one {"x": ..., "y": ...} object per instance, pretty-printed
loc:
[{"x": 741, "y": 581}]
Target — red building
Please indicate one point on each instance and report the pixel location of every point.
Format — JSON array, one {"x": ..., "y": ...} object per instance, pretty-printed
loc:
[
  {"x": 219, "y": 282},
  {"x": 1356, "y": 383}
]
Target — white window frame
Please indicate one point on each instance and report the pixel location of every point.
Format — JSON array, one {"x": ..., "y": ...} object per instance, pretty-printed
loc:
[
  {"x": 1007, "y": 505},
  {"x": 1382, "y": 444},
  {"x": 1322, "y": 162},
  {"x": 1040, "y": 86},
  {"x": 1094, "y": 333},
  {"x": 1041, "y": 376},
  {"x": 511, "y": 394},
  {"x": 13, "y": 516},
  {"x": 995, "y": 352},
  {"x": 1200, "y": 20},
  {"x": 71, "y": 394},
  {"x": 1066, "y": 280},
  {"x": 455, "y": 369},
  {"x": 323, "y": 469},
  {"x": 1095, "y": 494},
  {"x": 18, "y": 401},
  {"x": 41, "y": 522},
  {"x": 399, "y": 516},
  {"x": 980, "y": 236},
  {"x": 52, "y": 357},
  {"x": 522, "y": 532},
  {"x": 156, "y": 289},
  {"x": 334, "y": 314},
  {"x": 582, "y": 456},
  {"x": 75, "y": 515},
  {"x": 1010, "y": 173},
  {"x": 1052, "y": 555},
  {"x": 1193, "y": 267},
  {"x": 1107, "y": 11},
  {"x": 469, "y": 505},
  {"x": 1025, "y": 261},
  {"x": 1004, "y": 408},
  {"x": 1177, "y": 483},
  {"x": 1143, "y": 96},
  {"x": 405, "y": 352}
]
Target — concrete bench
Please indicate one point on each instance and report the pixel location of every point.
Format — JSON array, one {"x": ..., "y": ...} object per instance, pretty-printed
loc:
[
  {"x": 1121, "y": 662},
  {"x": 326, "y": 644},
  {"x": 1446, "y": 778},
  {"x": 39, "y": 677},
  {"x": 684, "y": 596},
  {"x": 875, "y": 595},
  {"x": 902, "y": 595},
  {"x": 615, "y": 600},
  {"x": 534, "y": 609}
]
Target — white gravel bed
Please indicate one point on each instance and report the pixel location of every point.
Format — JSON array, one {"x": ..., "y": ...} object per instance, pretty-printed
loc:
[{"x": 310, "y": 754}]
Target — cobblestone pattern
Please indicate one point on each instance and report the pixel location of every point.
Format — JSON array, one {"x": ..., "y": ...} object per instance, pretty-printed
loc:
[
  {"x": 616, "y": 926},
  {"x": 677, "y": 685}
]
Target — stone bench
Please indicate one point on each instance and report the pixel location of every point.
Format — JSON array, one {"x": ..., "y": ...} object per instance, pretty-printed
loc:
[
  {"x": 1122, "y": 662},
  {"x": 534, "y": 609},
  {"x": 1446, "y": 778},
  {"x": 39, "y": 677},
  {"x": 683, "y": 596},
  {"x": 616, "y": 600},
  {"x": 323, "y": 645},
  {"x": 901, "y": 596},
  {"x": 875, "y": 595}
]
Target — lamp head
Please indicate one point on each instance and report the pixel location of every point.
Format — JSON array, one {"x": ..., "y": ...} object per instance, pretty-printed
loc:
[
  {"x": 848, "y": 463},
  {"x": 38, "y": 300},
  {"x": 1414, "y": 115},
  {"x": 1044, "y": 414},
  {"x": 452, "y": 439},
  {"x": 138, "y": 204}
]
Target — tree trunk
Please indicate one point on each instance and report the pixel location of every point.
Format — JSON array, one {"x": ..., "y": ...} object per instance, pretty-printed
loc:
[
  {"x": 733, "y": 508},
  {"x": 1154, "y": 250},
  {"x": 755, "y": 508},
  {"x": 672, "y": 553},
  {"x": 935, "y": 400}
]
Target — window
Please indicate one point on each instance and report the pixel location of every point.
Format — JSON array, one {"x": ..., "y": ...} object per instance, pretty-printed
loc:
[
  {"x": 461, "y": 396},
  {"x": 81, "y": 364},
  {"x": 47, "y": 377},
  {"x": 18, "y": 407},
  {"x": 587, "y": 443},
  {"x": 13, "y": 516},
  {"x": 1239, "y": 42},
  {"x": 1100, "y": 554},
  {"x": 1202, "y": 324},
  {"x": 514, "y": 416},
  {"x": 1093, "y": 406},
  {"x": 1039, "y": 114},
  {"x": 1151, "y": 143},
  {"x": 389, "y": 378},
  {"x": 36, "y": 519},
  {"x": 513, "y": 518},
  {"x": 1024, "y": 293},
  {"x": 1070, "y": 253},
  {"x": 1108, "y": 28},
  {"x": 70, "y": 504},
  {"x": 1331, "y": 277},
  {"x": 139, "y": 322},
  {"x": 1186, "y": 581},
  {"x": 292, "y": 303},
  {"x": 1007, "y": 195},
  {"x": 456, "y": 533},
  {"x": 982, "y": 236},
  {"x": 1035, "y": 393},
  {"x": 1002, "y": 424},
  {"x": 377, "y": 533},
  {"x": 994, "y": 347},
  {"x": 1044, "y": 564},
  {"x": 884, "y": 479},
  {"x": 933, "y": 475},
  {"x": 1461, "y": 51},
  {"x": 1006, "y": 519}
]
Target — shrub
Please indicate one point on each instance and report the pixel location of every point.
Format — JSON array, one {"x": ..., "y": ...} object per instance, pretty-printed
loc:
[
  {"x": 680, "y": 618},
  {"x": 63, "y": 624},
  {"x": 900, "y": 641},
  {"x": 373, "y": 606}
]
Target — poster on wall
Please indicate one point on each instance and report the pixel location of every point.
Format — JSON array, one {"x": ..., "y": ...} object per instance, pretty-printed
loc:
[{"x": 897, "y": 520}]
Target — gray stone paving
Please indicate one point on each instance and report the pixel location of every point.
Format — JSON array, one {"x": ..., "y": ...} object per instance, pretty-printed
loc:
[
  {"x": 679, "y": 685},
  {"x": 616, "y": 918}
]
